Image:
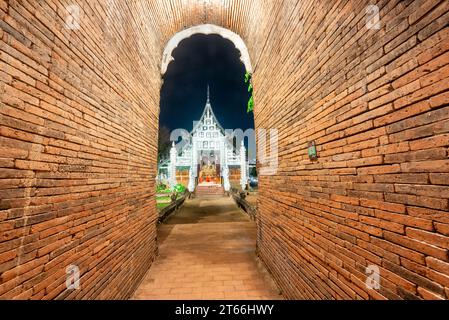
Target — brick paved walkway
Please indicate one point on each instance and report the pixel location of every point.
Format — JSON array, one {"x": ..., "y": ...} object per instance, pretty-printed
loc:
[{"x": 207, "y": 251}]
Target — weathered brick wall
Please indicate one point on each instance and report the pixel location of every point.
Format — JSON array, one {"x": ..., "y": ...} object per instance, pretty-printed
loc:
[
  {"x": 376, "y": 103},
  {"x": 78, "y": 136},
  {"x": 78, "y": 143}
]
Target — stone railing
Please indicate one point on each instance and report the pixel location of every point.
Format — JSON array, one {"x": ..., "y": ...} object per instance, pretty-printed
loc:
[
  {"x": 239, "y": 198},
  {"x": 172, "y": 207}
]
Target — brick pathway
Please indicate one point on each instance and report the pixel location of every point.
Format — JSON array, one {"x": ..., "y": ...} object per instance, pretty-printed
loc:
[{"x": 207, "y": 251}]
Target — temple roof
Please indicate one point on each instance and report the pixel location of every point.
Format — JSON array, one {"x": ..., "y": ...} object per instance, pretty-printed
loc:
[{"x": 208, "y": 110}]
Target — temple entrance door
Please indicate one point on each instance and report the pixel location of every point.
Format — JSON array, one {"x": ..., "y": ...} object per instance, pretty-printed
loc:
[{"x": 209, "y": 169}]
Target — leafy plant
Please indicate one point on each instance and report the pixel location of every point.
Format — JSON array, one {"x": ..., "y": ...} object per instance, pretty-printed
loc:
[
  {"x": 179, "y": 188},
  {"x": 161, "y": 188},
  {"x": 161, "y": 206},
  {"x": 250, "y": 105},
  {"x": 248, "y": 77}
]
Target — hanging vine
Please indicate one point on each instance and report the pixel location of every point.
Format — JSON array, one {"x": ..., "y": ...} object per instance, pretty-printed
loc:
[{"x": 248, "y": 78}]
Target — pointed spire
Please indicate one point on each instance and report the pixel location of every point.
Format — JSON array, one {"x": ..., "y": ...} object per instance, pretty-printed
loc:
[{"x": 208, "y": 94}]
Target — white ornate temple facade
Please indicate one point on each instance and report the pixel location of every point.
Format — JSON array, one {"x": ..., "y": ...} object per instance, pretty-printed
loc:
[{"x": 209, "y": 155}]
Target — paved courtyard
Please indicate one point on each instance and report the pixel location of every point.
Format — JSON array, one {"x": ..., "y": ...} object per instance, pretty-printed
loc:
[{"x": 207, "y": 251}]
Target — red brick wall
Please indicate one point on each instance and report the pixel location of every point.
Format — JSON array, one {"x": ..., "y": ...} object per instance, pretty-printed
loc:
[
  {"x": 78, "y": 141},
  {"x": 77, "y": 152},
  {"x": 376, "y": 103}
]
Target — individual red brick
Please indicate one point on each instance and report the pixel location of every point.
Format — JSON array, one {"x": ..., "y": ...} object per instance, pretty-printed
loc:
[
  {"x": 399, "y": 250},
  {"x": 344, "y": 199},
  {"x": 417, "y": 245},
  {"x": 429, "y": 154},
  {"x": 394, "y": 207},
  {"x": 405, "y": 220},
  {"x": 413, "y": 178},
  {"x": 439, "y": 178},
  {"x": 428, "y": 237},
  {"x": 442, "y": 228},
  {"x": 431, "y": 142},
  {"x": 423, "y": 190},
  {"x": 426, "y": 166},
  {"x": 439, "y": 100},
  {"x": 414, "y": 200},
  {"x": 8, "y": 256},
  {"x": 438, "y": 265},
  {"x": 429, "y": 295},
  {"x": 387, "y": 225}
]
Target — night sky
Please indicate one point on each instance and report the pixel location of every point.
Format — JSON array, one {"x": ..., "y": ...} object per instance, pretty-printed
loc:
[{"x": 201, "y": 60}]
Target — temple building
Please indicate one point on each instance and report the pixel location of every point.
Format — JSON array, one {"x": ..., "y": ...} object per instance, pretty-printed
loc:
[{"x": 209, "y": 157}]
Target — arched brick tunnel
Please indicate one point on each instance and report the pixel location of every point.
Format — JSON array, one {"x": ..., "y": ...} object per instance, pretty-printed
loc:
[{"x": 78, "y": 140}]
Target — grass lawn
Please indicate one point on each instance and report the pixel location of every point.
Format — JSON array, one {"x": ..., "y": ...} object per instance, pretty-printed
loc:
[
  {"x": 164, "y": 201},
  {"x": 161, "y": 206}
]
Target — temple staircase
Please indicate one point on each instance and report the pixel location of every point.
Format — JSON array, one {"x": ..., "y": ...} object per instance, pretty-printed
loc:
[{"x": 209, "y": 190}]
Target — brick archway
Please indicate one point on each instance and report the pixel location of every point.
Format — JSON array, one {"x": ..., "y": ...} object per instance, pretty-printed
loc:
[
  {"x": 240, "y": 57},
  {"x": 206, "y": 29},
  {"x": 79, "y": 114}
]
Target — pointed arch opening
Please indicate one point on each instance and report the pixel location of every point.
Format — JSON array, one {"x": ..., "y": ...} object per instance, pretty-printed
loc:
[
  {"x": 217, "y": 102},
  {"x": 206, "y": 29}
]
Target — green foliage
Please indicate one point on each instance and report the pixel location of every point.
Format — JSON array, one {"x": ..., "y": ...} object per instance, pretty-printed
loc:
[
  {"x": 161, "y": 206},
  {"x": 162, "y": 188},
  {"x": 179, "y": 188},
  {"x": 250, "y": 105},
  {"x": 248, "y": 77},
  {"x": 162, "y": 199}
]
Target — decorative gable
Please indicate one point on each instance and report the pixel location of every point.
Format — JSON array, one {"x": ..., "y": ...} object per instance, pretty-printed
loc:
[{"x": 208, "y": 121}]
